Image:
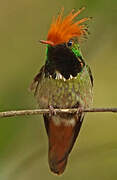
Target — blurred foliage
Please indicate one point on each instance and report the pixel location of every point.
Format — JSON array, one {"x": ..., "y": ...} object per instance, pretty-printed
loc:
[{"x": 23, "y": 141}]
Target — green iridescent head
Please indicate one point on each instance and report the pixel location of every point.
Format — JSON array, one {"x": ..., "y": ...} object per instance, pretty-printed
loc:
[
  {"x": 72, "y": 45},
  {"x": 67, "y": 31}
]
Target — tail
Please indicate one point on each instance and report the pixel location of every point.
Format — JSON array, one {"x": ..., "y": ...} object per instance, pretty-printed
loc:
[{"x": 62, "y": 132}]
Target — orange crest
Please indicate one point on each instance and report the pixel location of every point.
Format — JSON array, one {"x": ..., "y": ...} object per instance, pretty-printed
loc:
[{"x": 62, "y": 30}]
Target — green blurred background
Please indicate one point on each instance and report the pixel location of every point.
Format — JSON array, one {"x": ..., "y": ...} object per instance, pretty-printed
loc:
[{"x": 23, "y": 141}]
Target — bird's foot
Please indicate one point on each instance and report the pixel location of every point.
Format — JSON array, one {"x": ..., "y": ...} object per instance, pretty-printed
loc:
[
  {"x": 79, "y": 111},
  {"x": 52, "y": 111}
]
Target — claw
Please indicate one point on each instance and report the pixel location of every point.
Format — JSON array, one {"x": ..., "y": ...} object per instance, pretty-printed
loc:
[
  {"x": 52, "y": 111},
  {"x": 79, "y": 111}
]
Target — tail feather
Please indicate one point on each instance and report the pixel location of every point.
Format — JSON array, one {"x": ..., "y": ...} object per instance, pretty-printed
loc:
[{"x": 61, "y": 140}]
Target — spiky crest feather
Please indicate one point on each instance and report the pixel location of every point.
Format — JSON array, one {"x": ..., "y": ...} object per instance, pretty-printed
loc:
[{"x": 62, "y": 30}]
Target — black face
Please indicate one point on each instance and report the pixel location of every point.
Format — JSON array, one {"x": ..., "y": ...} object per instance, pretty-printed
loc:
[{"x": 60, "y": 58}]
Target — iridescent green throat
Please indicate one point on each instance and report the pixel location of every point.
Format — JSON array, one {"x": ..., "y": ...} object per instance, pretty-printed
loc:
[
  {"x": 77, "y": 52},
  {"x": 75, "y": 49}
]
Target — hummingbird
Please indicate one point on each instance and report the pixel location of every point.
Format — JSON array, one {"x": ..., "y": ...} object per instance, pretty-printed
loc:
[{"x": 64, "y": 81}]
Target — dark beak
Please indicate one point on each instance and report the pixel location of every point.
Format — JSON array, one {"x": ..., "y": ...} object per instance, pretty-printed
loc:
[{"x": 46, "y": 42}]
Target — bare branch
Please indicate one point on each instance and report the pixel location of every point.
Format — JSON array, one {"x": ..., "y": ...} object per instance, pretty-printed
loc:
[{"x": 45, "y": 111}]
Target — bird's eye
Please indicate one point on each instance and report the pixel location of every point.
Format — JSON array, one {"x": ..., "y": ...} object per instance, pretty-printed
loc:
[{"x": 69, "y": 43}]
